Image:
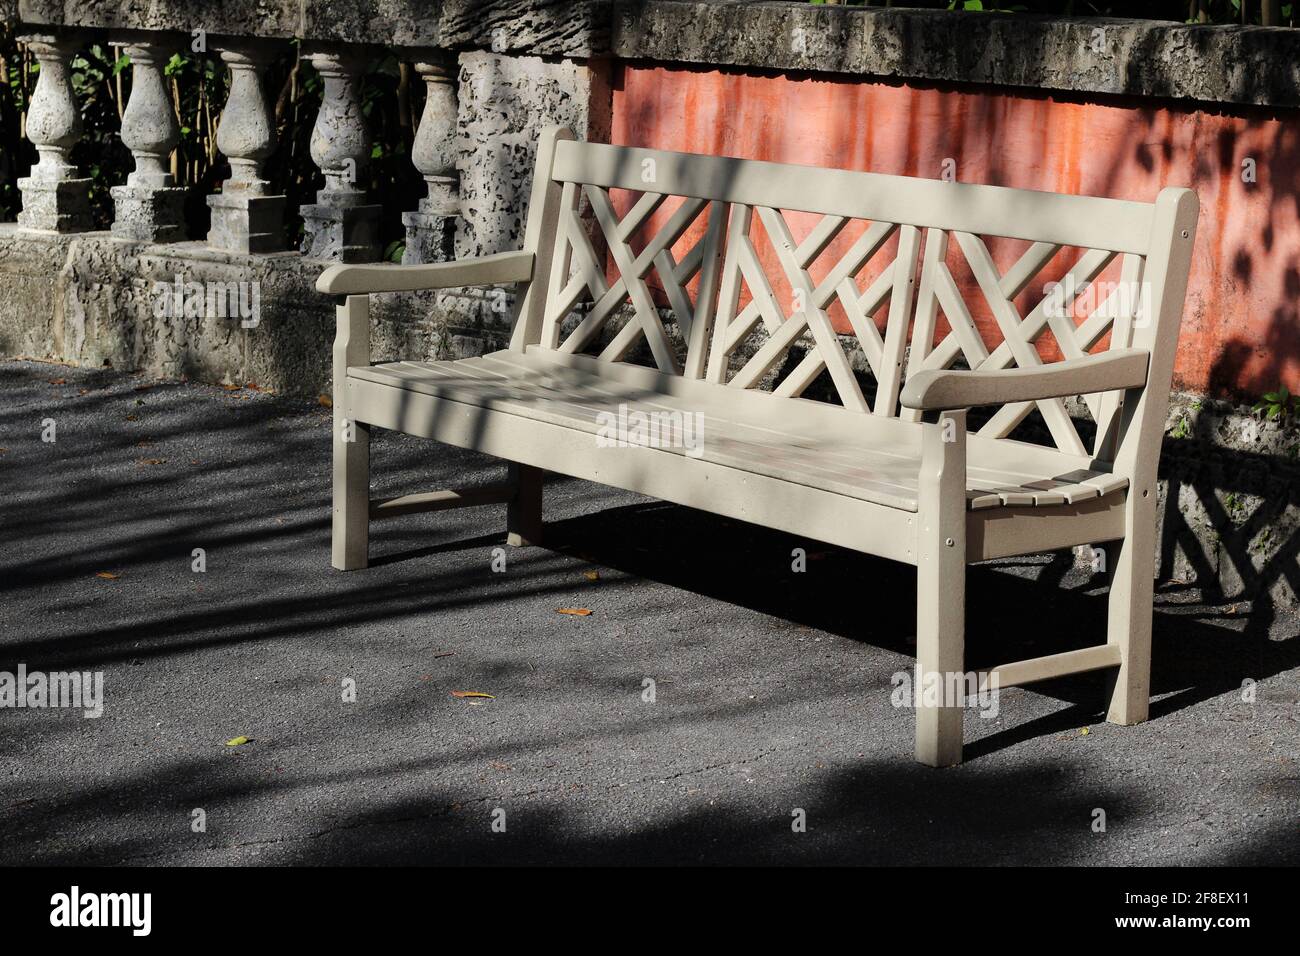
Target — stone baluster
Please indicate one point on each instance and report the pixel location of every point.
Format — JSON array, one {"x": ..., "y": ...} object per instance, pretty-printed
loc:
[
  {"x": 341, "y": 226},
  {"x": 55, "y": 200},
  {"x": 431, "y": 229},
  {"x": 246, "y": 217},
  {"x": 150, "y": 207}
]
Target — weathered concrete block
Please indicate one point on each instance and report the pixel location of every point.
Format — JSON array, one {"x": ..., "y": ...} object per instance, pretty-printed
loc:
[
  {"x": 341, "y": 233},
  {"x": 90, "y": 299},
  {"x": 430, "y": 237},
  {"x": 146, "y": 214},
  {"x": 268, "y": 18},
  {"x": 245, "y": 223},
  {"x": 55, "y": 205},
  {"x": 554, "y": 28},
  {"x": 505, "y": 103}
]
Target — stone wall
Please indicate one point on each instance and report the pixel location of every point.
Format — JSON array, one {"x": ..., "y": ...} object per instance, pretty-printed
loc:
[{"x": 92, "y": 300}]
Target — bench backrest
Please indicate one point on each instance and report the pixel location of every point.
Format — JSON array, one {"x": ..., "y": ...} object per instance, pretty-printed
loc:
[{"x": 878, "y": 246}]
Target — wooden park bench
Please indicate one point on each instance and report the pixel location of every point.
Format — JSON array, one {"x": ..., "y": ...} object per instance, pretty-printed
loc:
[{"x": 892, "y": 472}]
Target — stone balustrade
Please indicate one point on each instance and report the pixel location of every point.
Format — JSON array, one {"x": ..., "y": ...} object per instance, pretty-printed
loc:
[
  {"x": 341, "y": 225},
  {"x": 247, "y": 215},
  {"x": 149, "y": 207},
  {"x": 55, "y": 197},
  {"x": 430, "y": 230}
]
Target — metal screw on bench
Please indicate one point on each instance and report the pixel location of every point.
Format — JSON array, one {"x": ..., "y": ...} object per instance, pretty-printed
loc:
[
  {"x": 340, "y": 226},
  {"x": 431, "y": 229},
  {"x": 55, "y": 199},
  {"x": 150, "y": 206},
  {"x": 246, "y": 217}
]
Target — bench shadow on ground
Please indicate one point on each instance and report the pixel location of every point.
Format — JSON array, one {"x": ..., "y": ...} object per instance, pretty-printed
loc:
[{"x": 1015, "y": 609}]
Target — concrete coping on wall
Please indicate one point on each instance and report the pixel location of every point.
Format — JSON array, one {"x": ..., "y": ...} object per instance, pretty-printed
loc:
[
  {"x": 1150, "y": 58},
  {"x": 1212, "y": 64}
]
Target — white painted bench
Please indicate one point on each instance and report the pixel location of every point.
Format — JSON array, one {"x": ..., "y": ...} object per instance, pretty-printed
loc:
[{"x": 893, "y": 474}]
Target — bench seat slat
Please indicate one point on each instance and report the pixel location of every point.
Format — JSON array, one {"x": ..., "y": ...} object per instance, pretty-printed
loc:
[{"x": 856, "y": 465}]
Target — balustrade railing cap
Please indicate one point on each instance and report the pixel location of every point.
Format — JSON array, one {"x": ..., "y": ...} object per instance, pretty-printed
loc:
[
  {"x": 165, "y": 39},
  {"x": 235, "y": 48},
  {"x": 1132, "y": 57}
]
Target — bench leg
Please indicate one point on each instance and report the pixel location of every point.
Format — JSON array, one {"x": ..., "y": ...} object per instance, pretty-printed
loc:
[
  {"x": 524, "y": 512},
  {"x": 940, "y": 657},
  {"x": 350, "y": 537},
  {"x": 941, "y": 592},
  {"x": 1128, "y": 626}
]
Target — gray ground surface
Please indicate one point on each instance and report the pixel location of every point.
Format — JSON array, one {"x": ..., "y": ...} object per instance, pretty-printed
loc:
[{"x": 772, "y": 693}]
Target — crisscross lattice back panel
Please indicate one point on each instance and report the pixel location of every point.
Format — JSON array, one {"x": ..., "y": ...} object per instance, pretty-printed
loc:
[
  {"x": 578, "y": 273},
  {"x": 1048, "y": 304},
  {"x": 775, "y": 272}
]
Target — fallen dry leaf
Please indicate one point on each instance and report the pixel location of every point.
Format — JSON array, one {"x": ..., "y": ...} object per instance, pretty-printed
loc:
[
  {"x": 591, "y": 575},
  {"x": 107, "y": 575},
  {"x": 58, "y": 381},
  {"x": 576, "y": 611},
  {"x": 471, "y": 693},
  {"x": 238, "y": 741},
  {"x": 132, "y": 418},
  {"x": 326, "y": 401}
]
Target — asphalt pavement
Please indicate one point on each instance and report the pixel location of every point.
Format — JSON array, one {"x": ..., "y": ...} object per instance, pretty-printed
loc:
[{"x": 715, "y": 706}]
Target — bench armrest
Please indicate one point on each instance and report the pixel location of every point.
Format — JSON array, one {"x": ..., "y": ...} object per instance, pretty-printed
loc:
[
  {"x": 943, "y": 389},
  {"x": 502, "y": 268}
]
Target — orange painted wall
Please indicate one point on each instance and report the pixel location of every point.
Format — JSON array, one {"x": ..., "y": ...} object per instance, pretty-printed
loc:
[{"x": 1241, "y": 328}]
